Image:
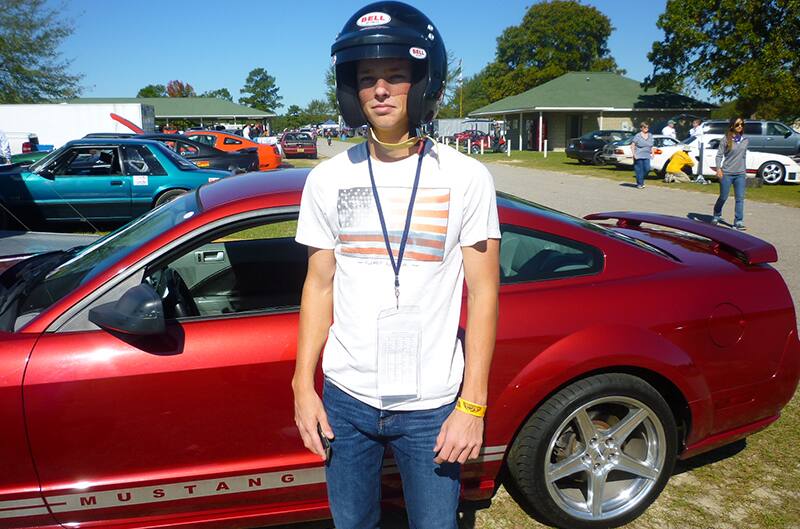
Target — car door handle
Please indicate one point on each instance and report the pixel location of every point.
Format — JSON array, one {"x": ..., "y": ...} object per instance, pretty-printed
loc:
[
  {"x": 210, "y": 257},
  {"x": 116, "y": 182}
]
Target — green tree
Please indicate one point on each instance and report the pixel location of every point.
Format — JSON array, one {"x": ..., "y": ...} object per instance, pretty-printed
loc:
[
  {"x": 177, "y": 88},
  {"x": 317, "y": 111},
  {"x": 31, "y": 68},
  {"x": 747, "y": 50},
  {"x": 153, "y": 90},
  {"x": 220, "y": 93},
  {"x": 263, "y": 91},
  {"x": 452, "y": 92},
  {"x": 330, "y": 88},
  {"x": 554, "y": 38}
]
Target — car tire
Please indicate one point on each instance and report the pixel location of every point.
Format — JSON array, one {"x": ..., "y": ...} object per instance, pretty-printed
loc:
[
  {"x": 571, "y": 444},
  {"x": 168, "y": 196},
  {"x": 475, "y": 149},
  {"x": 597, "y": 158},
  {"x": 772, "y": 173}
]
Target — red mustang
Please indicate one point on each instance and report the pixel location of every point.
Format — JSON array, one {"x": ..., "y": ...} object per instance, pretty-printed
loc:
[{"x": 145, "y": 378}]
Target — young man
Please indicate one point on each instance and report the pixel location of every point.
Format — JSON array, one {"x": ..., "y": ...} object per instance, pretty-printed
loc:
[{"x": 394, "y": 226}]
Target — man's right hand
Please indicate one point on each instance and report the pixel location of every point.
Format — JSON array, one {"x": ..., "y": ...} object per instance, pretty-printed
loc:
[{"x": 308, "y": 412}]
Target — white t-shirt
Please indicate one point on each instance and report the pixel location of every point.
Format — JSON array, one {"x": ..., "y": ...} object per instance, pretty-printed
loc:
[
  {"x": 669, "y": 131},
  {"x": 455, "y": 206}
]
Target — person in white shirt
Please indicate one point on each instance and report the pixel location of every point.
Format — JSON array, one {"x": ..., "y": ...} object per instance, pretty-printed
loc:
[
  {"x": 394, "y": 227},
  {"x": 697, "y": 128},
  {"x": 669, "y": 130},
  {"x": 5, "y": 149}
]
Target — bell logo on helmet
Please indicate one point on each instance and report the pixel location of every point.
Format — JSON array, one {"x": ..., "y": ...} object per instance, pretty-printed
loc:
[
  {"x": 375, "y": 18},
  {"x": 418, "y": 53}
]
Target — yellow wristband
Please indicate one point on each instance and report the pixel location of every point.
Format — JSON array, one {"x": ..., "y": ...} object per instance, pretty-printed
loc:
[{"x": 470, "y": 407}]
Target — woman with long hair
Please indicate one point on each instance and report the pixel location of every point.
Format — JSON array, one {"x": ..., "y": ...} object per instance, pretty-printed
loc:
[{"x": 731, "y": 170}]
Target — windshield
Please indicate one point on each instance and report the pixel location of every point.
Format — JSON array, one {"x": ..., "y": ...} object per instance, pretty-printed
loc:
[
  {"x": 35, "y": 167},
  {"x": 77, "y": 267},
  {"x": 176, "y": 158}
]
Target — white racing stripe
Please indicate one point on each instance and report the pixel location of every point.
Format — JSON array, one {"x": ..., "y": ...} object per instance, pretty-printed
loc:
[
  {"x": 25, "y": 507},
  {"x": 89, "y": 500}
]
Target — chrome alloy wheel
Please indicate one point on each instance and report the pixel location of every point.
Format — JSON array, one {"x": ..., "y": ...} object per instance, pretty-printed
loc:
[
  {"x": 772, "y": 172},
  {"x": 605, "y": 458}
]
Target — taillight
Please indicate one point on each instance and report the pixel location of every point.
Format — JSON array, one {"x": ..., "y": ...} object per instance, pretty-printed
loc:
[
  {"x": 656, "y": 151},
  {"x": 27, "y": 147},
  {"x": 618, "y": 151}
]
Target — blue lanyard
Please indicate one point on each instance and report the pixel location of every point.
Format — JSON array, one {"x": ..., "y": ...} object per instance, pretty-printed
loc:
[{"x": 396, "y": 264}]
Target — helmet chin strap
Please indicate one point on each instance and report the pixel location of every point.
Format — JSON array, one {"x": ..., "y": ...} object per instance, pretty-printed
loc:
[{"x": 410, "y": 142}]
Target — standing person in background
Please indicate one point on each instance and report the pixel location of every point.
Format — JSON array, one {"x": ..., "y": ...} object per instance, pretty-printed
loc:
[
  {"x": 642, "y": 152},
  {"x": 697, "y": 129},
  {"x": 246, "y": 131},
  {"x": 731, "y": 170},
  {"x": 669, "y": 130},
  {"x": 5, "y": 149}
]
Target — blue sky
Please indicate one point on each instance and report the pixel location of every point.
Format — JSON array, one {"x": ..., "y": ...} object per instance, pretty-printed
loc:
[{"x": 122, "y": 46}]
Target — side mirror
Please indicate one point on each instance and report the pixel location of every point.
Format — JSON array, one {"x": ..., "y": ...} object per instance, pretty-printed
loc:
[
  {"x": 787, "y": 133},
  {"x": 139, "y": 311},
  {"x": 47, "y": 173}
]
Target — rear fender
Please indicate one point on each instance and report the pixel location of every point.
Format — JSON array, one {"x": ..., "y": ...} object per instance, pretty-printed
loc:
[{"x": 595, "y": 349}]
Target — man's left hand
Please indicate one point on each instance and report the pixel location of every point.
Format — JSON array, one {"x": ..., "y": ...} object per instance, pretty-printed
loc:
[{"x": 460, "y": 438}]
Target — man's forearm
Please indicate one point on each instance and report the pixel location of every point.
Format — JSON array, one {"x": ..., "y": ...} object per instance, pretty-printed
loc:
[
  {"x": 480, "y": 338},
  {"x": 316, "y": 314}
]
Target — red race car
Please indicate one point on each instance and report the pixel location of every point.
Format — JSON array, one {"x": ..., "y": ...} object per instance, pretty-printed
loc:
[{"x": 145, "y": 378}]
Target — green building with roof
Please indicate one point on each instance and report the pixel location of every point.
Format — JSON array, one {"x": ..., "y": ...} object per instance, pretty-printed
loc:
[
  {"x": 204, "y": 110},
  {"x": 580, "y": 102}
]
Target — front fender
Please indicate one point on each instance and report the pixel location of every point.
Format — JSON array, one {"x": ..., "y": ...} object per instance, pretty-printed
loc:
[{"x": 594, "y": 349}]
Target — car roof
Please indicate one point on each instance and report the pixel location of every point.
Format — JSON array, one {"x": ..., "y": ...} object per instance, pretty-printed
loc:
[
  {"x": 253, "y": 186},
  {"x": 112, "y": 141}
]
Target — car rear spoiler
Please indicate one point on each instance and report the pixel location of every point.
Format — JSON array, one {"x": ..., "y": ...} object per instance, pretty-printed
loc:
[{"x": 749, "y": 249}]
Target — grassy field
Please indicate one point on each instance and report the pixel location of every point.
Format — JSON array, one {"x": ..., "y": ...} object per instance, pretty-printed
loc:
[{"x": 788, "y": 194}]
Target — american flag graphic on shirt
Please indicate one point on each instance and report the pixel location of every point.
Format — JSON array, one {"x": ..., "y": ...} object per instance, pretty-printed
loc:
[{"x": 360, "y": 232}]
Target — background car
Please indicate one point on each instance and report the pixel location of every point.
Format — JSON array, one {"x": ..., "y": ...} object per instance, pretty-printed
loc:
[
  {"x": 269, "y": 157},
  {"x": 109, "y": 180},
  {"x": 206, "y": 156},
  {"x": 157, "y": 364},
  {"x": 765, "y": 136},
  {"x": 589, "y": 147},
  {"x": 298, "y": 144}
]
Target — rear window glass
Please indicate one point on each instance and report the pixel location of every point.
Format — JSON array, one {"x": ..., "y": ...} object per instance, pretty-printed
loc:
[{"x": 753, "y": 129}]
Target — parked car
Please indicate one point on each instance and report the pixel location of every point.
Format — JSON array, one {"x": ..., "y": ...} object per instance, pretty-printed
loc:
[
  {"x": 589, "y": 147},
  {"x": 98, "y": 180},
  {"x": 770, "y": 167},
  {"x": 22, "y": 142},
  {"x": 28, "y": 158},
  {"x": 765, "y": 136},
  {"x": 157, "y": 364},
  {"x": 206, "y": 156},
  {"x": 269, "y": 157},
  {"x": 299, "y": 144}
]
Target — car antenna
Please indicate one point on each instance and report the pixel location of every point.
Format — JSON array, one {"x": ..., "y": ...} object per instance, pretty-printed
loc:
[{"x": 14, "y": 216}]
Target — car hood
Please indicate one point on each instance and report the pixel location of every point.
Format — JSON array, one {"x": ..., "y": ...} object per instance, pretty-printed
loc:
[{"x": 20, "y": 245}]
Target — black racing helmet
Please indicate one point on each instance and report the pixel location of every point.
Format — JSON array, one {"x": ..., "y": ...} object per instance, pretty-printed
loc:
[{"x": 384, "y": 30}]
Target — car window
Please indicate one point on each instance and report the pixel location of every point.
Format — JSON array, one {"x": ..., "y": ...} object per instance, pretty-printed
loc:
[
  {"x": 139, "y": 160},
  {"x": 257, "y": 268},
  {"x": 303, "y": 136},
  {"x": 713, "y": 144},
  {"x": 668, "y": 142},
  {"x": 181, "y": 162},
  {"x": 716, "y": 128},
  {"x": 231, "y": 141},
  {"x": 776, "y": 129},
  {"x": 527, "y": 255},
  {"x": 208, "y": 139},
  {"x": 89, "y": 161},
  {"x": 752, "y": 129}
]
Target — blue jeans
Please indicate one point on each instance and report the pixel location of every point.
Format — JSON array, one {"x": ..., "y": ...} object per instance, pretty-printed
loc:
[
  {"x": 641, "y": 166},
  {"x": 354, "y": 471},
  {"x": 738, "y": 181}
]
